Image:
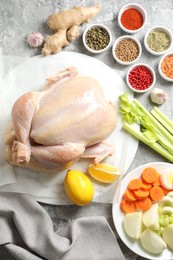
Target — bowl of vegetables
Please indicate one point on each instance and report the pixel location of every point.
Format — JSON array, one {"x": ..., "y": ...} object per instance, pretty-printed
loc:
[
  {"x": 97, "y": 38},
  {"x": 158, "y": 40},
  {"x": 143, "y": 217}
]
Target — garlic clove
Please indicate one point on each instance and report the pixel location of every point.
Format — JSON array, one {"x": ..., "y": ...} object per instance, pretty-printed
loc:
[
  {"x": 35, "y": 39},
  {"x": 158, "y": 96}
]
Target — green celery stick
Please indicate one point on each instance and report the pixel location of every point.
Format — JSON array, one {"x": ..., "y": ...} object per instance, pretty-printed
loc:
[
  {"x": 155, "y": 124},
  {"x": 155, "y": 146},
  {"x": 163, "y": 119}
]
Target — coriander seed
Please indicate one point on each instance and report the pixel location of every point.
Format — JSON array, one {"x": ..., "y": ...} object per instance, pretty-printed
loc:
[{"x": 127, "y": 50}]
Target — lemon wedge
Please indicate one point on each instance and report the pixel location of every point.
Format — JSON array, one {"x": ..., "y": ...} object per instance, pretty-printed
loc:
[{"x": 104, "y": 173}]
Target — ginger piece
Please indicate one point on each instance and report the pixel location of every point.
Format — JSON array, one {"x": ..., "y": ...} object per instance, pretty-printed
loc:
[
  {"x": 72, "y": 33},
  {"x": 65, "y": 24},
  {"x": 55, "y": 42}
]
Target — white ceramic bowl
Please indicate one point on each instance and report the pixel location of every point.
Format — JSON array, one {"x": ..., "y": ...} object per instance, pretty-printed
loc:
[
  {"x": 141, "y": 90},
  {"x": 159, "y": 67},
  {"x": 124, "y": 38},
  {"x": 138, "y": 8},
  {"x": 160, "y": 28},
  {"x": 95, "y": 26}
]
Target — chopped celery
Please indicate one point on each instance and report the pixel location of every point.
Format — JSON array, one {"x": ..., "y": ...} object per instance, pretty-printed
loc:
[
  {"x": 159, "y": 232},
  {"x": 151, "y": 132},
  {"x": 165, "y": 220},
  {"x": 163, "y": 119}
]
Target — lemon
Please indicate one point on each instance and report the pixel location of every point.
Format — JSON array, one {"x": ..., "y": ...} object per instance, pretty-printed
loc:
[
  {"x": 102, "y": 172},
  {"x": 78, "y": 187}
]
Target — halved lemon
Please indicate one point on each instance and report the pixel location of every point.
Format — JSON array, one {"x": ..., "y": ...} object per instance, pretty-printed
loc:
[{"x": 102, "y": 172}]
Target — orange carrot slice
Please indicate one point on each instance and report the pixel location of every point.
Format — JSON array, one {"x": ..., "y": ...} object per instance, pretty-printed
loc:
[
  {"x": 141, "y": 194},
  {"x": 135, "y": 184},
  {"x": 156, "y": 193},
  {"x": 127, "y": 207},
  {"x": 157, "y": 182},
  {"x": 149, "y": 175},
  {"x": 129, "y": 195},
  {"x": 144, "y": 204},
  {"x": 146, "y": 186}
]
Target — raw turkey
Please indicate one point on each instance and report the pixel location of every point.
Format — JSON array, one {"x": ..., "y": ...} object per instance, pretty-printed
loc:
[{"x": 68, "y": 120}]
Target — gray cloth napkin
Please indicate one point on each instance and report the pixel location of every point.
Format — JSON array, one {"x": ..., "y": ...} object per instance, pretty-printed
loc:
[{"x": 26, "y": 233}]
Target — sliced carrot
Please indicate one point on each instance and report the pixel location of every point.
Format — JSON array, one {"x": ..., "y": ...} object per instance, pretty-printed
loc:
[
  {"x": 144, "y": 204},
  {"x": 149, "y": 175},
  {"x": 129, "y": 195},
  {"x": 146, "y": 186},
  {"x": 127, "y": 207},
  {"x": 135, "y": 184},
  {"x": 157, "y": 182},
  {"x": 141, "y": 194},
  {"x": 156, "y": 193}
]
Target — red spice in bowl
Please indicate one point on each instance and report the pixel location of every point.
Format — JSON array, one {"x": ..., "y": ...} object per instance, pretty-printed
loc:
[
  {"x": 132, "y": 19},
  {"x": 140, "y": 78}
]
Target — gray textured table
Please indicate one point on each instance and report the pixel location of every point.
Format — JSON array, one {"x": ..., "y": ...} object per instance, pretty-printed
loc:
[{"x": 19, "y": 17}]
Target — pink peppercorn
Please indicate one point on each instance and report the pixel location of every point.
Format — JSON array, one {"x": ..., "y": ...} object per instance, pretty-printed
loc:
[{"x": 140, "y": 78}]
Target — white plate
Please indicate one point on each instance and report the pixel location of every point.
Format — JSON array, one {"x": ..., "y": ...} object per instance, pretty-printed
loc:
[
  {"x": 31, "y": 75},
  {"x": 118, "y": 215}
]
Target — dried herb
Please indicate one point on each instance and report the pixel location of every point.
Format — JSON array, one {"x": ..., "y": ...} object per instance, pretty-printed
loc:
[
  {"x": 97, "y": 38},
  {"x": 158, "y": 40}
]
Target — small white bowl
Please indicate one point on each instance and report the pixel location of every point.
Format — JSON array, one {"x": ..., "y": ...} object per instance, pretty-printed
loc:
[
  {"x": 160, "y": 28},
  {"x": 141, "y": 90},
  {"x": 159, "y": 67},
  {"x": 126, "y": 37},
  {"x": 96, "y": 26},
  {"x": 138, "y": 8}
]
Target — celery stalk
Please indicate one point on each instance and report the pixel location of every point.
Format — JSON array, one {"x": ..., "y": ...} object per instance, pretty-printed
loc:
[
  {"x": 163, "y": 119},
  {"x": 155, "y": 124},
  {"x": 155, "y": 146},
  {"x": 152, "y": 132}
]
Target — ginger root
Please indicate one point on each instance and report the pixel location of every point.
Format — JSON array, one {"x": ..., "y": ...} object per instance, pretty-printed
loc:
[{"x": 65, "y": 24}]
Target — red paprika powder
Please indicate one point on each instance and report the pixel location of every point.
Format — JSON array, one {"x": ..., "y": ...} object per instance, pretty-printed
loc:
[{"x": 132, "y": 19}]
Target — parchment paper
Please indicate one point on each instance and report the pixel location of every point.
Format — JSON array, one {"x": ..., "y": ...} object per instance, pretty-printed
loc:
[{"x": 20, "y": 75}]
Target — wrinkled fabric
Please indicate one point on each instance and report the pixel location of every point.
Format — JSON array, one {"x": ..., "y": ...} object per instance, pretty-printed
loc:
[{"x": 26, "y": 232}]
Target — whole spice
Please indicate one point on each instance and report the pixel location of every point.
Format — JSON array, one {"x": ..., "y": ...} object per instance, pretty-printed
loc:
[
  {"x": 97, "y": 38},
  {"x": 167, "y": 66},
  {"x": 140, "y": 78},
  {"x": 132, "y": 19},
  {"x": 158, "y": 40},
  {"x": 127, "y": 50}
]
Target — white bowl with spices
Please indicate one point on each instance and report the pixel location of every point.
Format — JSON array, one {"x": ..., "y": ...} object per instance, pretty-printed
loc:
[
  {"x": 140, "y": 78},
  {"x": 97, "y": 38},
  {"x": 132, "y": 18},
  {"x": 126, "y": 50},
  {"x": 158, "y": 40},
  {"x": 165, "y": 67}
]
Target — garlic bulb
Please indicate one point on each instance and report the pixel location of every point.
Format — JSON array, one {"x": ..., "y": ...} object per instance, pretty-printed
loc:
[
  {"x": 158, "y": 96},
  {"x": 35, "y": 39}
]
